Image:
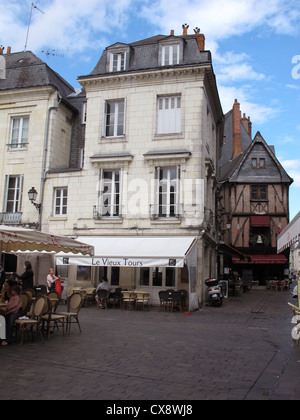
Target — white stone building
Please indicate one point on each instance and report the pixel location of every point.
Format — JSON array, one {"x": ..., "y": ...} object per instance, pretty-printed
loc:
[{"x": 143, "y": 187}]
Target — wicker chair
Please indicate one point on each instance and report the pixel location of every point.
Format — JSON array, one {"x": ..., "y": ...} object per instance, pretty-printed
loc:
[
  {"x": 142, "y": 300},
  {"x": 102, "y": 295},
  {"x": 35, "y": 321},
  {"x": 164, "y": 299},
  {"x": 74, "y": 305},
  {"x": 176, "y": 301},
  {"x": 53, "y": 319},
  {"x": 128, "y": 299}
]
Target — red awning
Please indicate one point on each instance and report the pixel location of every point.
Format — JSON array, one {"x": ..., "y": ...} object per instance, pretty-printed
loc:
[
  {"x": 262, "y": 259},
  {"x": 258, "y": 221}
]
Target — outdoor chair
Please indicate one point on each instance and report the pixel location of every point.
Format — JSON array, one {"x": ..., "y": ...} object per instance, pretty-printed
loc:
[
  {"x": 128, "y": 299},
  {"x": 164, "y": 299},
  {"x": 31, "y": 292},
  {"x": 175, "y": 301},
  {"x": 142, "y": 300},
  {"x": 90, "y": 295},
  {"x": 53, "y": 319},
  {"x": 54, "y": 297},
  {"x": 35, "y": 321},
  {"x": 26, "y": 303},
  {"x": 102, "y": 298},
  {"x": 116, "y": 297},
  {"x": 74, "y": 305}
]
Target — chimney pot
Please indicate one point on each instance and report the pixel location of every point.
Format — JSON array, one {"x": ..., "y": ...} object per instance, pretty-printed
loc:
[
  {"x": 185, "y": 28},
  {"x": 8, "y": 51},
  {"x": 172, "y": 32}
]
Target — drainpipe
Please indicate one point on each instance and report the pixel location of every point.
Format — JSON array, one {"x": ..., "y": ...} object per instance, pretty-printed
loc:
[{"x": 45, "y": 158}]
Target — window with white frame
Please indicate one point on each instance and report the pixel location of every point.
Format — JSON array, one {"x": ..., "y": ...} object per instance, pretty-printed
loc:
[
  {"x": 19, "y": 132},
  {"x": 110, "y": 193},
  {"x": 60, "y": 201},
  {"x": 170, "y": 55},
  {"x": 167, "y": 200},
  {"x": 114, "y": 118},
  {"x": 14, "y": 186},
  {"x": 169, "y": 115},
  {"x": 117, "y": 62}
]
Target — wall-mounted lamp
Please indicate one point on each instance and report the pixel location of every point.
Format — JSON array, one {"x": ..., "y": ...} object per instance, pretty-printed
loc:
[{"x": 32, "y": 194}]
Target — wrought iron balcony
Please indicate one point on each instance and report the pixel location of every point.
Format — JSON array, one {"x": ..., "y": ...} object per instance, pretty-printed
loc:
[{"x": 8, "y": 218}]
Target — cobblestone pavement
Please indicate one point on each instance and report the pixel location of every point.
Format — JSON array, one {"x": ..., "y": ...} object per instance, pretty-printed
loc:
[{"x": 241, "y": 351}]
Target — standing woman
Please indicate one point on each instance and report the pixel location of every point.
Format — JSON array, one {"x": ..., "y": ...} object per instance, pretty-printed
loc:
[
  {"x": 51, "y": 280},
  {"x": 26, "y": 279}
]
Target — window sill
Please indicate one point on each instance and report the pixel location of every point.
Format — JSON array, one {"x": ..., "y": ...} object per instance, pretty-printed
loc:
[
  {"x": 58, "y": 218},
  {"x": 167, "y": 136},
  {"x": 118, "y": 139}
]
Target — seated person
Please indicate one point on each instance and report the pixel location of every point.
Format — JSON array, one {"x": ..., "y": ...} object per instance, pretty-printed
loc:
[{"x": 12, "y": 312}]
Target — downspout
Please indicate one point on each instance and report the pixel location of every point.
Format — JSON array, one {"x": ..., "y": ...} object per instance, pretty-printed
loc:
[{"x": 45, "y": 158}]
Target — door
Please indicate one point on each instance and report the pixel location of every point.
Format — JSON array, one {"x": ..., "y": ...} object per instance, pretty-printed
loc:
[{"x": 154, "y": 279}]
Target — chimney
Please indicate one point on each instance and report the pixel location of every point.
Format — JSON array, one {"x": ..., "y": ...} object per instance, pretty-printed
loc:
[
  {"x": 247, "y": 124},
  {"x": 8, "y": 51},
  {"x": 236, "y": 130},
  {"x": 172, "y": 32},
  {"x": 200, "y": 38}
]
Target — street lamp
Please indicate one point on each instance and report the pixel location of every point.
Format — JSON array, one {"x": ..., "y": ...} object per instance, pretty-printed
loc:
[{"x": 32, "y": 194}]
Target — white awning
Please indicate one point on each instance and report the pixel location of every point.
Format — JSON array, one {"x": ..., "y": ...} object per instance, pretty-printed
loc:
[
  {"x": 290, "y": 235},
  {"x": 135, "y": 251}
]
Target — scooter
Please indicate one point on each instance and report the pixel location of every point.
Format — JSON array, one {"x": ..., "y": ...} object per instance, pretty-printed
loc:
[{"x": 215, "y": 293}]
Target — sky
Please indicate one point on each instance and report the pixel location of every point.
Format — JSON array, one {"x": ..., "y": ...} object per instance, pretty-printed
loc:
[{"x": 254, "y": 44}]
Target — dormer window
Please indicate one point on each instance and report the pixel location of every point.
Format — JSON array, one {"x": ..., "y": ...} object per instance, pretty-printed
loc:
[
  {"x": 170, "y": 55},
  {"x": 117, "y": 62}
]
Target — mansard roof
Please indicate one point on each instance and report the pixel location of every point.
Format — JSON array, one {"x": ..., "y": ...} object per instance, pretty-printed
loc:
[
  {"x": 26, "y": 70},
  {"x": 144, "y": 54}
]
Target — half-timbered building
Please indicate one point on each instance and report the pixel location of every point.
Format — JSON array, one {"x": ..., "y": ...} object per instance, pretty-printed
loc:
[{"x": 254, "y": 201}]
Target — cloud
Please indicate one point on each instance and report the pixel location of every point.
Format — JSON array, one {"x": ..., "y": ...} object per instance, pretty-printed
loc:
[
  {"x": 258, "y": 113},
  {"x": 77, "y": 26},
  {"x": 220, "y": 19}
]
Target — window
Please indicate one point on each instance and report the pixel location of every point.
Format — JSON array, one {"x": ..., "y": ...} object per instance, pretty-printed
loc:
[
  {"x": 258, "y": 163},
  {"x": 114, "y": 118},
  {"x": 169, "y": 115},
  {"x": 13, "y": 193},
  {"x": 117, "y": 62},
  {"x": 19, "y": 132},
  {"x": 259, "y": 192},
  {"x": 170, "y": 55},
  {"x": 168, "y": 192},
  {"x": 109, "y": 200},
  {"x": 60, "y": 201}
]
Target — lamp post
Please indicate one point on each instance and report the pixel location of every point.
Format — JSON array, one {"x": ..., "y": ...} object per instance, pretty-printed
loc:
[{"x": 32, "y": 194}]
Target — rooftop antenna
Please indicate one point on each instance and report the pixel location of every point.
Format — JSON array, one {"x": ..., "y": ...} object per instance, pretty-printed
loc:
[
  {"x": 49, "y": 52},
  {"x": 33, "y": 6}
]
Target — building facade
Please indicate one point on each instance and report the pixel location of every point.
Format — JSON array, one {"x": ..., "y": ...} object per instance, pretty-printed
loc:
[
  {"x": 36, "y": 125},
  {"x": 254, "y": 202},
  {"x": 153, "y": 123}
]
